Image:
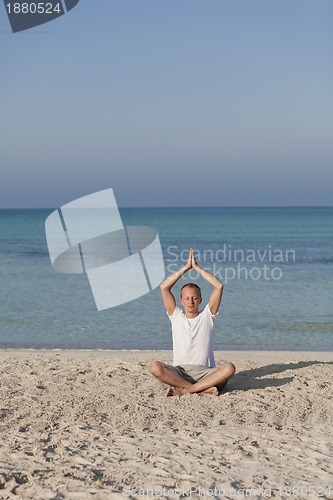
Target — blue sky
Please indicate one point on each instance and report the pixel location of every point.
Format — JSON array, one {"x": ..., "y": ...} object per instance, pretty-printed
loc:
[{"x": 170, "y": 103}]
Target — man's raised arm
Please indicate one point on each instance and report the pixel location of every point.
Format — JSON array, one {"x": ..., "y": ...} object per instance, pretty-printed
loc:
[
  {"x": 168, "y": 298},
  {"x": 216, "y": 297}
]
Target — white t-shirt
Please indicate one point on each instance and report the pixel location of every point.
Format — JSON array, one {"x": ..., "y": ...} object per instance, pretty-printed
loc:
[{"x": 193, "y": 339}]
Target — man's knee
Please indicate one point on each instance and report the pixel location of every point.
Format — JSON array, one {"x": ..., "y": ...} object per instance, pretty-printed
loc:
[
  {"x": 156, "y": 368},
  {"x": 231, "y": 369},
  {"x": 228, "y": 369}
]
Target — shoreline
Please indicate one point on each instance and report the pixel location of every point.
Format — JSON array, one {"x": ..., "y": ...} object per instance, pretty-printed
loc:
[
  {"x": 294, "y": 349},
  {"x": 254, "y": 355}
]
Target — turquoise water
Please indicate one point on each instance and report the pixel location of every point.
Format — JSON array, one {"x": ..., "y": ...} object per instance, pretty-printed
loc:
[{"x": 276, "y": 264}]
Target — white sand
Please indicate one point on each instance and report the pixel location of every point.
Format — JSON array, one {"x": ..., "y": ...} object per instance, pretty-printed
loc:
[{"x": 94, "y": 425}]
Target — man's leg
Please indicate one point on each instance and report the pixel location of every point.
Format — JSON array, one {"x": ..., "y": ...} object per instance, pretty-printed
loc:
[
  {"x": 219, "y": 376},
  {"x": 168, "y": 376},
  {"x": 180, "y": 386}
]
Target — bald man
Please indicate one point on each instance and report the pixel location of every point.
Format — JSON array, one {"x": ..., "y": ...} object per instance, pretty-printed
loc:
[{"x": 193, "y": 369}]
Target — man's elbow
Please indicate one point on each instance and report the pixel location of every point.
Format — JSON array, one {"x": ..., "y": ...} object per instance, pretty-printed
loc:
[
  {"x": 219, "y": 286},
  {"x": 163, "y": 287}
]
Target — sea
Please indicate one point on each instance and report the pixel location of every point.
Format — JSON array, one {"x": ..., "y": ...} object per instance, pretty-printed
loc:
[{"x": 276, "y": 265}]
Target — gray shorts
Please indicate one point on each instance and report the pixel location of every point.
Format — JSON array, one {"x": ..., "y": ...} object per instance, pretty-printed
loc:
[{"x": 192, "y": 373}]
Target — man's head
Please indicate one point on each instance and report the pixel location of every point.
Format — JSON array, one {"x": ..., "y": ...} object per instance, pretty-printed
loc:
[{"x": 190, "y": 298}]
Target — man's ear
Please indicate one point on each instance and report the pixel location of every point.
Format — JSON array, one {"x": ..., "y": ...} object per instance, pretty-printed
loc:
[
  {"x": 200, "y": 300},
  {"x": 181, "y": 301}
]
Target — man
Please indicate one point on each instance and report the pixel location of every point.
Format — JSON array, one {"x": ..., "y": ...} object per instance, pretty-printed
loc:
[{"x": 193, "y": 369}]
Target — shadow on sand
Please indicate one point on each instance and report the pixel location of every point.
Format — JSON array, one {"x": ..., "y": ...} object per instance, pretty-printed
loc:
[{"x": 254, "y": 378}]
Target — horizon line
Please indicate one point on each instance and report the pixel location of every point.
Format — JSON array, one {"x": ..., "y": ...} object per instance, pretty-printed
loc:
[{"x": 184, "y": 206}]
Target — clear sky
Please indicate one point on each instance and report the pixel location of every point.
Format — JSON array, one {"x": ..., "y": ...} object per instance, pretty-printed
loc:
[{"x": 170, "y": 103}]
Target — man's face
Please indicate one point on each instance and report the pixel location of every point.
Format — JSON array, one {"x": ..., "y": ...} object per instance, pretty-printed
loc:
[{"x": 191, "y": 300}]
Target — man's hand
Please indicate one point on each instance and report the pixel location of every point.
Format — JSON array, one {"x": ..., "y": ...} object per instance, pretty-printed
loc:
[
  {"x": 194, "y": 264},
  {"x": 191, "y": 262},
  {"x": 188, "y": 264}
]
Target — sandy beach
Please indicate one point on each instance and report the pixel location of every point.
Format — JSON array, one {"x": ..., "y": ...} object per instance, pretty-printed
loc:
[{"x": 95, "y": 424}]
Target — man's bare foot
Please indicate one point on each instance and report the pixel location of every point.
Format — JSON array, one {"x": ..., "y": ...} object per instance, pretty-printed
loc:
[
  {"x": 169, "y": 391},
  {"x": 174, "y": 391},
  {"x": 177, "y": 391},
  {"x": 212, "y": 390}
]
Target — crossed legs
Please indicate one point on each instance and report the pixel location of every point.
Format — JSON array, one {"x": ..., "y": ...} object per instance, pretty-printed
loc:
[{"x": 180, "y": 386}]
